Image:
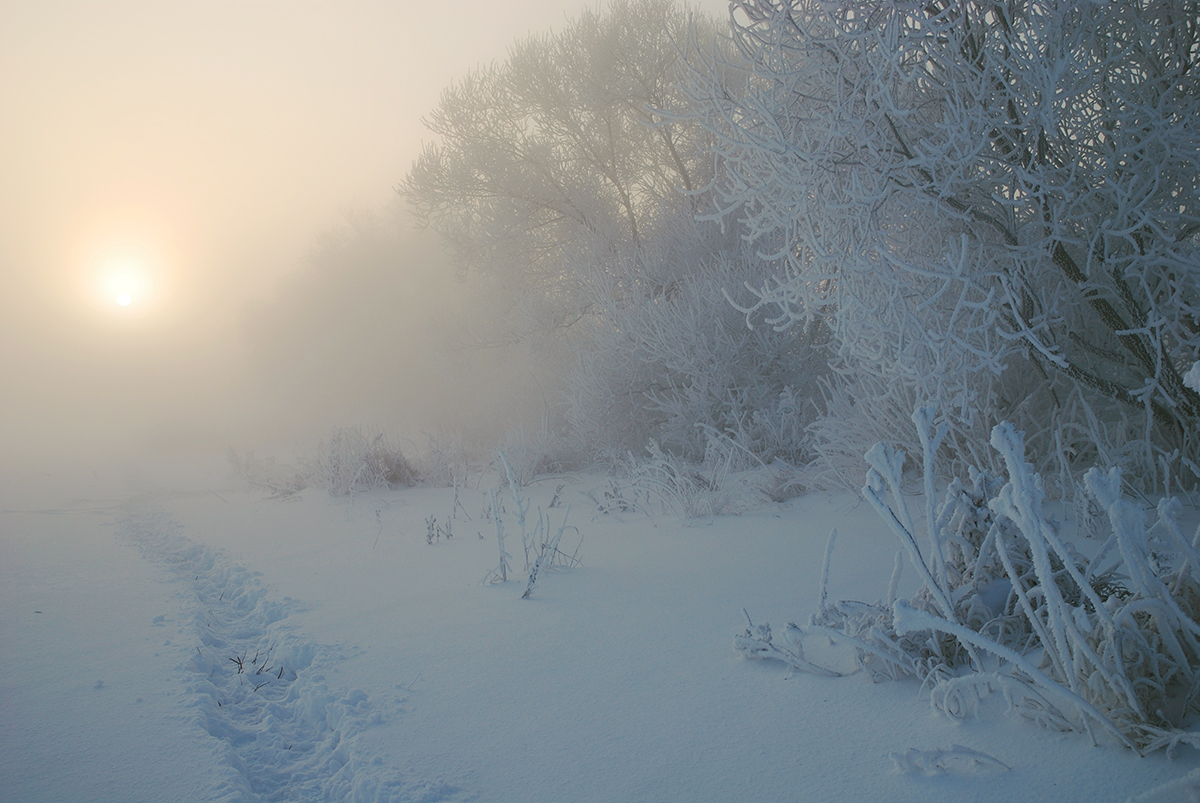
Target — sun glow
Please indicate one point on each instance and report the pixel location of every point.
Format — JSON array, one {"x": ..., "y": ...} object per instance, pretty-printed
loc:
[
  {"x": 123, "y": 279},
  {"x": 124, "y": 256},
  {"x": 124, "y": 284}
]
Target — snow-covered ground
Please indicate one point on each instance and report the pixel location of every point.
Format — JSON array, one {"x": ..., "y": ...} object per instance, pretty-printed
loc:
[{"x": 175, "y": 636}]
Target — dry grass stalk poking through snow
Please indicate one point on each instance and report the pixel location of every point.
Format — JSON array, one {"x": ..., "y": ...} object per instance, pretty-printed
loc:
[
  {"x": 540, "y": 544},
  {"x": 1110, "y": 645}
]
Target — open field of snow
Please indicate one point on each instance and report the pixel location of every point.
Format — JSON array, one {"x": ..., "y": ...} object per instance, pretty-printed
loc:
[{"x": 182, "y": 638}]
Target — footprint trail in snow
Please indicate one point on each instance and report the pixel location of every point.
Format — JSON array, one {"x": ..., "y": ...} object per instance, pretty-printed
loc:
[{"x": 257, "y": 688}]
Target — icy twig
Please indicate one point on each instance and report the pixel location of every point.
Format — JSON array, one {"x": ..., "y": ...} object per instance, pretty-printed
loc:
[{"x": 954, "y": 759}]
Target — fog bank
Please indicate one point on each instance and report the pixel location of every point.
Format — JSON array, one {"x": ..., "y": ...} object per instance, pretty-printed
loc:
[{"x": 202, "y": 149}]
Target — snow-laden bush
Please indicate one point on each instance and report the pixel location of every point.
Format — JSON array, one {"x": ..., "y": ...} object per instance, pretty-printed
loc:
[
  {"x": 266, "y": 474},
  {"x": 689, "y": 490},
  {"x": 993, "y": 205},
  {"x": 729, "y": 479},
  {"x": 726, "y": 481},
  {"x": 443, "y": 460},
  {"x": 352, "y": 461},
  {"x": 525, "y": 455},
  {"x": 1108, "y": 645}
]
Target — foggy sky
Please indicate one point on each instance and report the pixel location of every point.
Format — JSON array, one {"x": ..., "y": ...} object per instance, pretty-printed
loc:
[{"x": 213, "y": 142}]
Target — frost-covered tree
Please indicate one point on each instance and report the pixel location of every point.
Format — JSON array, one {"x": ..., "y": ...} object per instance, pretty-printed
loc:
[
  {"x": 992, "y": 204},
  {"x": 566, "y": 181},
  {"x": 557, "y": 151}
]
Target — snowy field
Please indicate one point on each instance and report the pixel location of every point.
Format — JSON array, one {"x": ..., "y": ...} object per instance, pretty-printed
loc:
[{"x": 175, "y": 636}]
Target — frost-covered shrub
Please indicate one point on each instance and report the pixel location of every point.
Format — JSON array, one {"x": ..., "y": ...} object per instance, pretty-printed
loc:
[
  {"x": 524, "y": 456},
  {"x": 726, "y": 481},
  {"x": 443, "y": 460},
  {"x": 268, "y": 475},
  {"x": 352, "y": 461},
  {"x": 1106, "y": 645},
  {"x": 689, "y": 490},
  {"x": 670, "y": 359},
  {"x": 990, "y": 205}
]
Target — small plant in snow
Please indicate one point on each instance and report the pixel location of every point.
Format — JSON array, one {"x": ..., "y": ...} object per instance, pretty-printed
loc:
[
  {"x": 548, "y": 551},
  {"x": 520, "y": 504},
  {"x": 1108, "y": 645},
  {"x": 501, "y": 572},
  {"x": 541, "y": 544},
  {"x": 458, "y": 505},
  {"x": 616, "y": 498},
  {"x": 258, "y": 671}
]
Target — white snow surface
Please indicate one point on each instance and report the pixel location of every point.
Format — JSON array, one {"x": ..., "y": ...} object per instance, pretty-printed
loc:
[{"x": 182, "y": 638}]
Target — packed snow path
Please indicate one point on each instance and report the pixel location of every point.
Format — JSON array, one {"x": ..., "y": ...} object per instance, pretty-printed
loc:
[{"x": 258, "y": 687}]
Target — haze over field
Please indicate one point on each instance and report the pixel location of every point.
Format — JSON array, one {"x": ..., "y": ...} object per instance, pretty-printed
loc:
[
  {"x": 198, "y": 151},
  {"x": 876, "y": 322}
]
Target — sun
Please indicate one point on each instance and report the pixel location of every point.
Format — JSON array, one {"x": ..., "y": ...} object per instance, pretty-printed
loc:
[
  {"x": 125, "y": 280},
  {"x": 123, "y": 285},
  {"x": 123, "y": 259}
]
